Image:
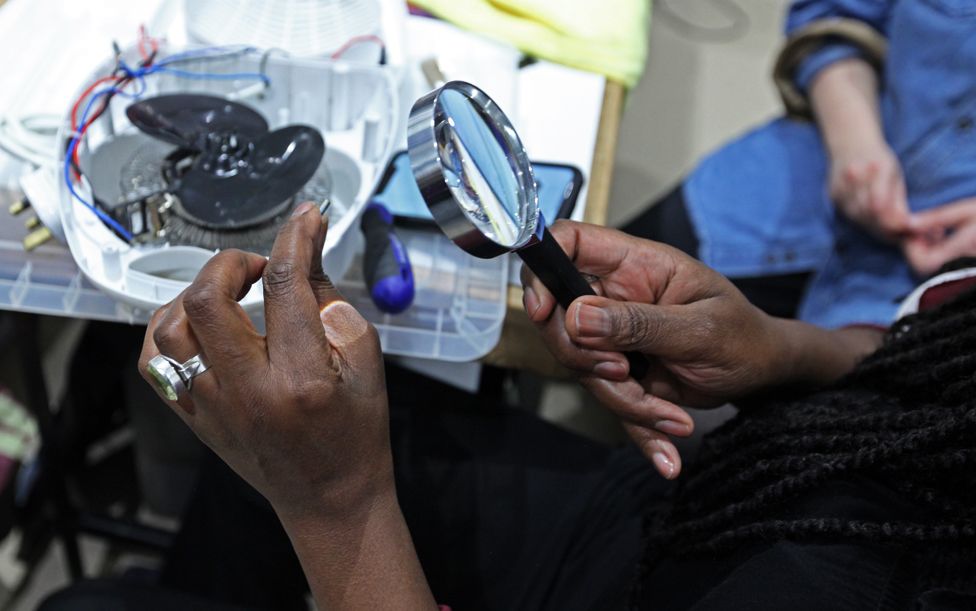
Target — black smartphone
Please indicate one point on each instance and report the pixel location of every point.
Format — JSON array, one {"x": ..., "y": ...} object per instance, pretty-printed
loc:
[{"x": 558, "y": 184}]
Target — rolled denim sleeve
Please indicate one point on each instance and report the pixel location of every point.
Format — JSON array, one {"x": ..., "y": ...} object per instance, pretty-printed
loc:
[
  {"x": 874, "y": 13},
  {"x": 820, "y": 59}
]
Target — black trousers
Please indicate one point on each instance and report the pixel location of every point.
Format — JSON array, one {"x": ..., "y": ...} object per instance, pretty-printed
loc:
[
  {"x": 668, "y": 221},
  {"x": 506, "y": 512}
]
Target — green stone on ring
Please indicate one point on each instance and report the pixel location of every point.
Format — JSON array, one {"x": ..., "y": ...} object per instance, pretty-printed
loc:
[{"x": 162, "y": 382}]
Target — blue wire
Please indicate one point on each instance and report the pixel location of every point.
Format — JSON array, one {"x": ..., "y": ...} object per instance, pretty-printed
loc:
[
  {"x": 204, "y": 53},
  {"x": 108, "y": 220},
  {"x": 125, "y": 68},
  {"x": 137, "y": 94},
  {"x": 139, "y": 75},
  {"x": 226, "y": 76}
]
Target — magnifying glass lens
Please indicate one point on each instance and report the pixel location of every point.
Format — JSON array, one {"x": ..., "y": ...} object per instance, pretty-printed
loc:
[
  {"x": 478, "y": 170},
  {"x": 477, "y": 181}
]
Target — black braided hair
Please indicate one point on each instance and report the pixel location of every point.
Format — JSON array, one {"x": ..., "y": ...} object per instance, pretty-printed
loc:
[{"x": 905, "y": 417}]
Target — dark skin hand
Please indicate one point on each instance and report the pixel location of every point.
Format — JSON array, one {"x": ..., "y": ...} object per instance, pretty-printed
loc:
[
  {"x": 300, "y": 413},
  {"x": 706, "y": 343}
]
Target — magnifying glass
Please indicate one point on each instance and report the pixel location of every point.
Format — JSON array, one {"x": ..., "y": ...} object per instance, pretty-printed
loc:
[{"x": 476, "y": 179}]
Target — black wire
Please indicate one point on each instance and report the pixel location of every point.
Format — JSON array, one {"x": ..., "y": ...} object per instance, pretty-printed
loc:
[
  {"x": 738, "y": 25},
  {"x": 218, "y": 56},
  {"x": 121, "y": 81},
  {"x": 263, "y": 65}
]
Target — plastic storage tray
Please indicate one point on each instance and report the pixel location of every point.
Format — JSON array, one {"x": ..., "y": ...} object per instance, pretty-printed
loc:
[
  {"x": 459, "y": 308},
  {"x": 457, "y": 315}
]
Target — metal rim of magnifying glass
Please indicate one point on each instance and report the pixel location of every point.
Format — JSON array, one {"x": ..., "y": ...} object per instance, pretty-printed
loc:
[{"x": 425, "y": 161}]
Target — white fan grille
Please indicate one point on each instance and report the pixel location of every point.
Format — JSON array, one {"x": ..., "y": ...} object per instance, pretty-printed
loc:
[{"x": 304, "y": 28}]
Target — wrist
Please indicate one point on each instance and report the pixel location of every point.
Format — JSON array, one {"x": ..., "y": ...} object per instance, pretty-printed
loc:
[
  {"x": 340, "y": 501},
  {"x": 309, "y": 523},
  {"x": 811, "y": 356},
  {"x": 807, "y": 358},
  {"x": 863, "y": 143},
  {"x": 363, "y": 559},
  {"x": 788, "y": 358}
]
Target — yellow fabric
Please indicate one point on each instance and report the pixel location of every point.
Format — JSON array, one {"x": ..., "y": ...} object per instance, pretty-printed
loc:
[{"x": 604, "y": 36}]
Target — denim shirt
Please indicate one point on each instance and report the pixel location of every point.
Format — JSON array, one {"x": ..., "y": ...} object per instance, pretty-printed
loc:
[{"x": 760, "y": 204}]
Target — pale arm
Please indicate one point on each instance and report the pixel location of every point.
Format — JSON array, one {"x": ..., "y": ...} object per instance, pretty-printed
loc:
[
  {"x": 844, "y": 96},
  {"x": 866, "y": 181}
]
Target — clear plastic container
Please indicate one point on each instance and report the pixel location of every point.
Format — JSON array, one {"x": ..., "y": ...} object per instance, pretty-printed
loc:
[
  {"x": 457, "y": 314},
  {"x": 459, "y": 309},
  {"x": 47, "y": 281}
]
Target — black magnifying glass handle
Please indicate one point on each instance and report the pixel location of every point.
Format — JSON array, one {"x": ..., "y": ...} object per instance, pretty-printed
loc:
[{"x": 547, "y": 260}]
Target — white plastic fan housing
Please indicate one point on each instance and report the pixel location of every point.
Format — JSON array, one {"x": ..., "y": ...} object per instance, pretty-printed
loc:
[
  {"x": 353, "y": 105},
  {"x": 303, "y": 28}
]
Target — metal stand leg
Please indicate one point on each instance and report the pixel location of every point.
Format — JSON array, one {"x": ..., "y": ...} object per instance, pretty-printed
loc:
[{"x": 52, "y": 482}]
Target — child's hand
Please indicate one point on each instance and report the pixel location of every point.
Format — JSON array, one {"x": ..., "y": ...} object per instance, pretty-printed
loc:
[
  {"x": 867, "y": 186},
  {"x": 943, "y": 234}
]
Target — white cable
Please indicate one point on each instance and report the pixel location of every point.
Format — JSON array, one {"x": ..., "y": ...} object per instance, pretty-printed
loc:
[{"x": 32, "y": 138}]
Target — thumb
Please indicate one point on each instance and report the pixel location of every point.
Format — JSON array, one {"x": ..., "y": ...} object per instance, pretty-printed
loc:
[{"x": 624, "y": 326}]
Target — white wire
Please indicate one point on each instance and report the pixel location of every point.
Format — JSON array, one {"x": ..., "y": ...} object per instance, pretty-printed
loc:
[{"x": 32, "y": 138}]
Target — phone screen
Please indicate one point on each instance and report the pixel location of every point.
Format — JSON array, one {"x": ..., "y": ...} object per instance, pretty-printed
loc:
[{"x": 558, "y": 187}]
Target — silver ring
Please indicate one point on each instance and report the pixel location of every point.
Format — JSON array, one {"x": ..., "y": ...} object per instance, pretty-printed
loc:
[{"x": 174, "y": 378}]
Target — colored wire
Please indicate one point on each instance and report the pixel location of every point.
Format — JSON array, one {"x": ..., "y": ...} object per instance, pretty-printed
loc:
[
  {"x": 355, "y": 40},
  {"x": 120, "y": 83},
  {"x": 143, "y": 38},
  {"x": 142, "y": 43},
  {"x": 216, "y": 76},
  {"x": 87, "y": 92},
  {"x": 72, "y": 146},
  {"x": 147, "y": 66},
  {"x": 206, "y": 53}
]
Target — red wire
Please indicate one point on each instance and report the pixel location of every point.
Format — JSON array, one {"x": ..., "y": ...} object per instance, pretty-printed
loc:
[
  {"x": 355, "y": 40},
  {"x": 83, "y": 96},
  {"x": 143, "y": 37},
  {"x": 142, "y": 42},
  {"x": 77, "y": 104},
  {"x": 74, "y": 109}
]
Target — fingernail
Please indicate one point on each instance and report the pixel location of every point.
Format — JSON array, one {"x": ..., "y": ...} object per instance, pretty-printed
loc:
[
  {"x": 530, "y": 301},
  {"x": 664, "y": 464},
  {"x": 673, "y": 427},
  {"x": 302, "y": 208},
  {"x": 613, "y": 370},
  {"x": 592, "y": 321}
]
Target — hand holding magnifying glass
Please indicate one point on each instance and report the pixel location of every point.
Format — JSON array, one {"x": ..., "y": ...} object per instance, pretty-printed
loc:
[{"x": 476, "y": 178}]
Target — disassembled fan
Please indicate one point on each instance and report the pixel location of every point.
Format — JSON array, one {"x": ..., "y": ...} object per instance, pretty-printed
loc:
[
  {"x": 208, "y": 172},
  {"x": 148, "y": 191}
]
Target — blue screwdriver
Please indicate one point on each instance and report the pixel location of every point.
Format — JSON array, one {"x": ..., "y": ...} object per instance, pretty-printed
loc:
[{"x": 386, "y": 266}]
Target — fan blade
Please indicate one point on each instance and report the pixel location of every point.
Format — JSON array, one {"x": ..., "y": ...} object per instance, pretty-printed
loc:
[
  {"x": 186, "y": 119},
  {"x": 275, "y": 169}
]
